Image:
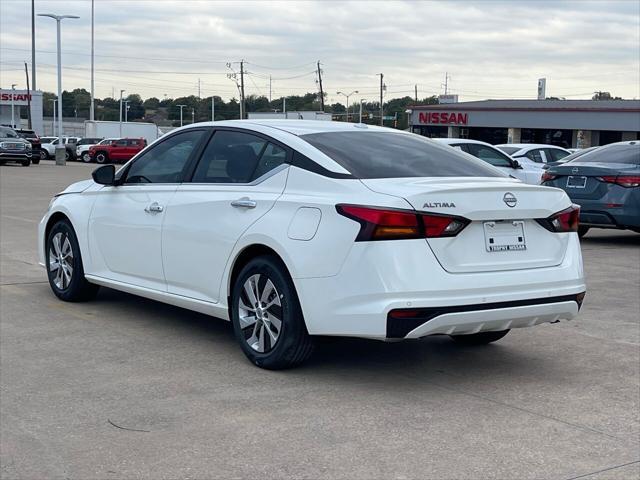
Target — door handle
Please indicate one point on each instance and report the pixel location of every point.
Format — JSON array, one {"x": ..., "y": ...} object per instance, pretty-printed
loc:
[
  {"x": 244, "y": 203},
  {"x": 155, "y": 207}
]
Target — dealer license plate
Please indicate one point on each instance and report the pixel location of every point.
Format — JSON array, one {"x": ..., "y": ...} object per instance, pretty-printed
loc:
[
  {"x": 504, "y": 236},
  {"x": 576, "y": 182}
]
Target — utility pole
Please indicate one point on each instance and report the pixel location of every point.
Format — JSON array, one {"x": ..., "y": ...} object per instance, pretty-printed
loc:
[
  {"x": 446, "y": 82},
  {"x": 13, "y": 99},
  {"x": 33, "y": 43},
  {"x": 243, "y": 107},
  {"x": 213, "y": 108},
  {"x": 26, "y": 72},
  {"x": 269, "y": 88},
  {"x": 416, "y": 87},
  {"x": 321, "y": 91},
  {"x": 381, "y": 99},
  {"x": 193, "y": 115}
]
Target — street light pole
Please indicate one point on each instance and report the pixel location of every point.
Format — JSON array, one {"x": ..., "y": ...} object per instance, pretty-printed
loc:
[
  {"x": 213, "y": 108},
  {"x": 121, "y": 92},
  {"x": 53, "y": 117},
  {"x": 92, "y": 107},
  {"x": 181, "y": 107},
  {"x": 126, "y": 110},
  {"x": 361, "y": 100},
  {"x": 345, "y": 95},
  {"x": 193, "y": 115},
  {"x": 13, "y": 95},
  {"x": 60, "y": 148}
]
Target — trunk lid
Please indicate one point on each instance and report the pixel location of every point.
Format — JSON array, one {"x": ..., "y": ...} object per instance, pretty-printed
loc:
[
  {"x": 484, "y": 202},
  {"x": 572, "y": 176}
]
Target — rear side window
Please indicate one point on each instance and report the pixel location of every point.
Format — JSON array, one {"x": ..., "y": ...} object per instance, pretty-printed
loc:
[
  {"x": 535, "y": 155},
  {"x": 394, "y": 155},
  {"x": 628, "y": 153},
  {"x": 237, "y": 157},
  {"x": 120, "y": 143}
]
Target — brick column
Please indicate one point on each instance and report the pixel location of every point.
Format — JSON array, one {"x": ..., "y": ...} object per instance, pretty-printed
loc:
[
  {"x": 583, "y": 139},
  {"x": 453, "y": 132},
  {"x": 513, "y": 135}
]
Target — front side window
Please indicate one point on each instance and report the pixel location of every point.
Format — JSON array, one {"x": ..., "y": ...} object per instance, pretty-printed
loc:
[
  {"x": 489, "y": 155},
  {"x": 394, "y": 155},
  {"x": 237, "y": 157},
  {"x": 166, "y": 161}
]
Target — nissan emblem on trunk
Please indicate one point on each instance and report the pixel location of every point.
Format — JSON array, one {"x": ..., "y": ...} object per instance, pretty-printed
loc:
[
  {"x": 574, "y": 170},
  {"x": 510, "y": 199}
]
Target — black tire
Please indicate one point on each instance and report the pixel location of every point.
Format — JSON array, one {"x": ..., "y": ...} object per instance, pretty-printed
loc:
[
  {"x": 293, "y": 344},
  {"x": 102, "y": 157},
  {"x": 582, "y": 231},
  {"x": 78, "y": 289},
  {"x": 481, "y": 338},
  {"x": 86, "y": 158},
  {"x": 43, "y": 154},
  {"x": 25, "y": 163},
  {"x": 35, "y": 160},
  {"x": 67, "y": 155}
]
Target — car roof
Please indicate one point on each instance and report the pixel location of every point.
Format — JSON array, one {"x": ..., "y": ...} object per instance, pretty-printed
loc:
[
  {"x": 300, "y": 127},
  {"x": 450, "y": 141},
  {"x": 530, "y": 146}
]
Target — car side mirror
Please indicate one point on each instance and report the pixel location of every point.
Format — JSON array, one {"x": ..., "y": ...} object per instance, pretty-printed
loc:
[
  {"x": 105, "y": 175},
  {"x": 516, "y": 164}
]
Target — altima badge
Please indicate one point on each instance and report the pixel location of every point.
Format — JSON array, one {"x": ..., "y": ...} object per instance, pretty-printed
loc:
[{"x": 510, "y": 199}]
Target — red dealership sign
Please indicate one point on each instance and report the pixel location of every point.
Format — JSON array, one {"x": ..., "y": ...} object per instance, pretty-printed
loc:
[{"x": 444, "y": 118}]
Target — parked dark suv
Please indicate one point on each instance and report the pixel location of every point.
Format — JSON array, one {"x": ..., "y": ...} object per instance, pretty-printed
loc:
[
  {"x": 13, "y": 148},
  {"x": 36, "y": 146}
]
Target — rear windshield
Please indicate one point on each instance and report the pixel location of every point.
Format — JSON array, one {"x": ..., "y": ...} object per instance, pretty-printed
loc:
[
  {"x": 510, "y": 150},
  {"x": 393, "y": 155},
  {"x": 627, "y": 153}
]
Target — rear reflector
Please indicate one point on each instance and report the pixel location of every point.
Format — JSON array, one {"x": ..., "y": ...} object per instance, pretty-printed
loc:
[
  {"x": 565, "y": 221},
  {"x": 627, "y": 181},
  {"x": 396, "y": 224}
]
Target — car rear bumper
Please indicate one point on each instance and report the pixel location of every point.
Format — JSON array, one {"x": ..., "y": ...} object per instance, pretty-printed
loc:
[
  {"x": 378, "y": 277},
  {"x": 470, "y": 319}
]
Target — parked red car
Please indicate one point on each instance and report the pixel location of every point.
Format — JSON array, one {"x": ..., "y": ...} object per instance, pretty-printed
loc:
[
  {"x": 121, "y": 150},
  {"x": 36, "y": 146}
]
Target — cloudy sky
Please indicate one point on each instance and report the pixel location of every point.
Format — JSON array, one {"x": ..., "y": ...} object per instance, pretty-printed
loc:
[{"x": 490, "y": 49}]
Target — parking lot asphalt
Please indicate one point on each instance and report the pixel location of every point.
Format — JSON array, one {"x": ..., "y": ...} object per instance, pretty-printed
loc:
[{"x": 124, "y": 387}]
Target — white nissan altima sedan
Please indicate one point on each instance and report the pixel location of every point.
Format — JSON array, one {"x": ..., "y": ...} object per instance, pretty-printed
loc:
[{"x": 291, "y": 229}]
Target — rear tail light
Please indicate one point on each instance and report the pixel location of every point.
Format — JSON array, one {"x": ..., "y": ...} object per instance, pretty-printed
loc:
[
  {"x": 564, "y": 221},
  {"x": 627, "y": 181},
  {"x": 395, "y": 224},
  {"x": 547, "y": 177}
]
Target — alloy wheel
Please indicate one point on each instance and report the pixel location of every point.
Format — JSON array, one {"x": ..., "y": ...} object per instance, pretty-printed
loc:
[
  {"x": 260, "y": 313},
  {"x": 61, "y": 260}
]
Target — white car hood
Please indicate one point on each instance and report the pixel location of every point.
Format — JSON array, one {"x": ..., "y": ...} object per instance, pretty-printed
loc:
[{"x": 77, "y": 187}]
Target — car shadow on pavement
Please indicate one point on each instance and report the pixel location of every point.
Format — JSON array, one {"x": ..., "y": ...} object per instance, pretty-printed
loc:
[{"x": 338, "y": 359}]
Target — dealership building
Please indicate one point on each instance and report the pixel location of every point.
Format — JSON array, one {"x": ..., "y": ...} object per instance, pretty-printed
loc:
[
  {"x": 13, "y": 102},
  {"x": 567, "y": 123}
]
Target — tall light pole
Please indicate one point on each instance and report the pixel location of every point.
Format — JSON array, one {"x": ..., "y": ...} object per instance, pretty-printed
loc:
[
  {"x": 213, "y": 108},
  {"x": 13, "y": 99},
  {"x": 361, "y": 100},
  {"x": 53, "y": 117},
  {"x": 193, "y": 115},
  {"x": 92, "y": 114},
  {"x": 181, "y": 107},
  {"x": 121, "y": 92},
  {"x": 126, "y": 110},
  {"x": 345, "y": 95},
  {"x": 33, "y": 44},
  {"x": 60, "y": 149}
]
